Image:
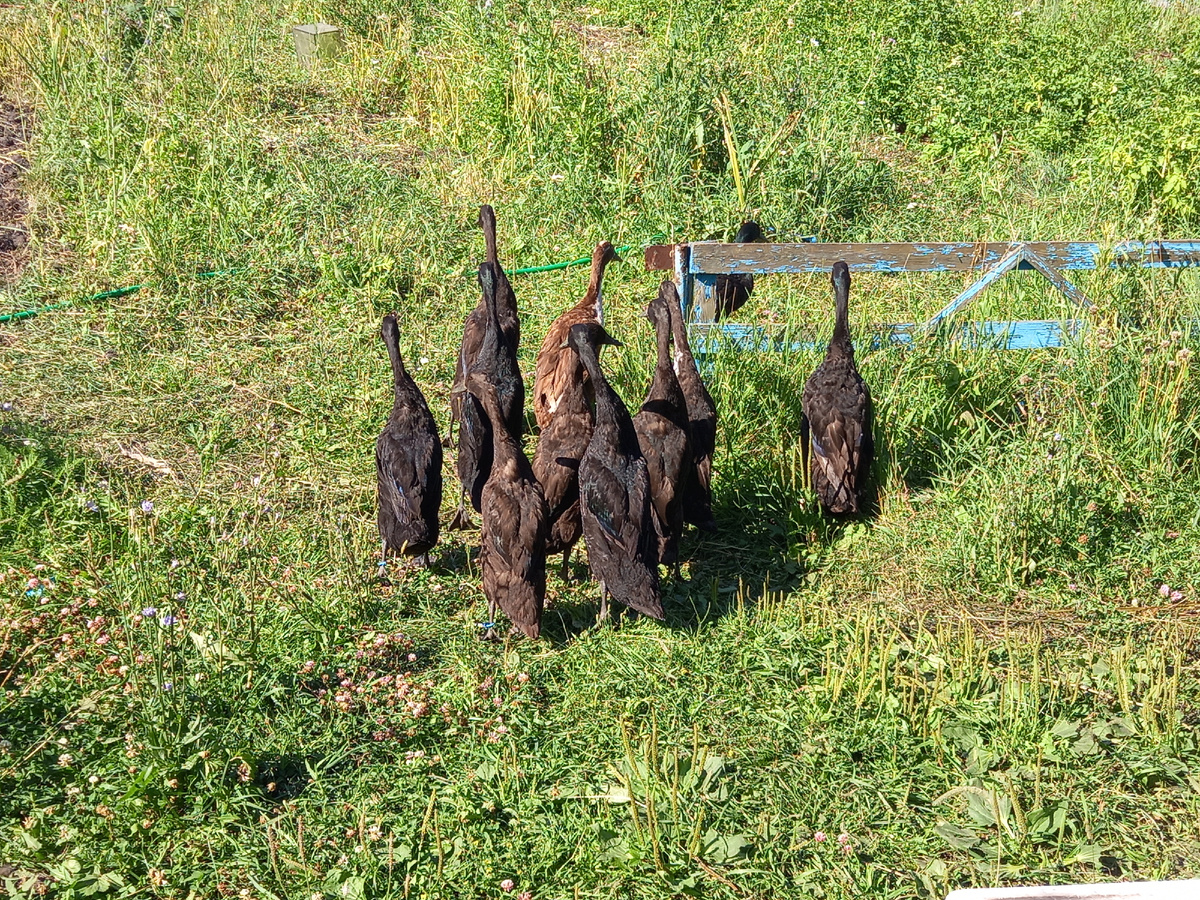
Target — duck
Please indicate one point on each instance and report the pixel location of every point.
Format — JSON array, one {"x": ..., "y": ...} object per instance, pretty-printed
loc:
[
  {"x": 662, "y": 430},
  {"x": 732, "y": 291},
  {"x": 560, "y": 447},
  {"x": 476, "y": 322},
  {"x": 408, "y": 463},
  {"x": 512, "y": 545},
  {"x": 497, "y": 361},
  {"x": 558, "y": 369},
  {"x": 614, "y": 492},
  {"x": 702, "y": 420},
  {"x": 837, "y": 418}
]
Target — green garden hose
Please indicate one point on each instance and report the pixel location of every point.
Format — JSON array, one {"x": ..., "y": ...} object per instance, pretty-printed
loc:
[{"x": 121, "y": 292}]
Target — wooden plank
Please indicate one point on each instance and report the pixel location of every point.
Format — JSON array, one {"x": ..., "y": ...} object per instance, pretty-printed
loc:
[
  {"x": 929, "y": 256},
  {"x": 1157, "y": 254},
  {"x": 1126, "y": 890},
  {"x": 1019, "y": 335},
  {"x": 660, "y": 258},
  {"x": 889, "y": 258}
]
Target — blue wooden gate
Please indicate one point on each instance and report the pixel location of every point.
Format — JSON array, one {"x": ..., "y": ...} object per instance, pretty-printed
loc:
[{"x": 696, "y": 266}]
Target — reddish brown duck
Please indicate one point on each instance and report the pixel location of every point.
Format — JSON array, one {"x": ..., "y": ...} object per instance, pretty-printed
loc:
[
  {"x": 476, "y": 322},
  {"x": 497, "y": 362},
  {"x": 558, "y": 369},
  {"x": 732, "y": 291},
  {"x": 614, "y": 492},
  {"x": 837, "y": 416},
  {"x": 662, "y": 432},
  {"x": 512, "y": 545},
  {"x": 702, "y": 420},
  {"x": 408, "y": 462}
]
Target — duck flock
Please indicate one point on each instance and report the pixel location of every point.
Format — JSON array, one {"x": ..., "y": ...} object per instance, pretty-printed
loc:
[{"x": 628, "y": 485}]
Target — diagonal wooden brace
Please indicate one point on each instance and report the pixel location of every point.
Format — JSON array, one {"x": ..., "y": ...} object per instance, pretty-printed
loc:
[{"x": 1020, "y": 253}]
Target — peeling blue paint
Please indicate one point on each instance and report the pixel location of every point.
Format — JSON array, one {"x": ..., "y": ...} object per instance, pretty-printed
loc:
[
  {"x": 694, "y": 265},
  {"x": 1019, "y": 335}
]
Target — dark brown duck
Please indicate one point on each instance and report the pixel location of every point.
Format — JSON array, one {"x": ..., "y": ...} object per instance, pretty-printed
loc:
[
  {"x": 835, "y": 428},
  {"x": 614, "y": 491},
  {"x": 408, "y": 463},
  {"x": 476, "y": 322},
  {"x": 560, "y": 447},
  {"x": 497, "y": 362},
  {"x": 662, "y": 432},
  {"x": 702, "y": 420},
  {"x": 512, "y": 544},
  {"x": 559, "y": 371}
]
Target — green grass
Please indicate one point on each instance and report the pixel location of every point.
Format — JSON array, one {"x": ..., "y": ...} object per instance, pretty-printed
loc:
[{"x": 984, "y": 685}]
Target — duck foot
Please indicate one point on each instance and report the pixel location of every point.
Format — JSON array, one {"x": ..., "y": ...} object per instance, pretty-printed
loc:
[{"x": 462, "y": 520}]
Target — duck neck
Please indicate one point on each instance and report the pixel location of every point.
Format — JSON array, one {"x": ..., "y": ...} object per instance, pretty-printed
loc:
[
  {"x": 488, "y": 219},
  {"x": 840, "y": 342},
  {"x": 504, "y": 447},
  {"x": 662, "y": 328},
  {"x": 492, "y": 334},
  {"x": 402, "y": 383},
  {"x": 685, "y": 362},
  {"x": 594, "y": 298},
  {"x": 600, "y": 386}
]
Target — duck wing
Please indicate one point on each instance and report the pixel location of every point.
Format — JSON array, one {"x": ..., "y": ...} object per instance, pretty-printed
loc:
[
  {"x": 513, "y": 548},
  {"x": 840, "y": 438}
]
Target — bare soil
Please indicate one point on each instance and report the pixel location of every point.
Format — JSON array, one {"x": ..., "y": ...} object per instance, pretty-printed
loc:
[{"x": 15, "y": 123}]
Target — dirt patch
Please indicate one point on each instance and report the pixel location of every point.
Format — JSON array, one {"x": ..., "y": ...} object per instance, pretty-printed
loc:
[{"x": 14, "y": 235}]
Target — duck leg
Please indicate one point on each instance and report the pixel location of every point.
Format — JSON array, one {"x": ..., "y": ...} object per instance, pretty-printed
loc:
[
  {"x": 489, "y": 631},
  {"x": 462, "y": 517},
  {"x": 383, "y": 559},
  {"x": 603, "y": 615},
  {"x": 566, "y": 564}
]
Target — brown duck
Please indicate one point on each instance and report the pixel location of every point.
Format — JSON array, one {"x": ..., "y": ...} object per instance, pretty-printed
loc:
[
  {"x": 558, "y": 369},
  {"x": 476, "y": 322},
  {"x": 408, "y": 463},
  {"x": 702, "y": 420},
  {"x": 662, "y": 432},
  {"x": 614, "y": 493},
  {"x": 560, "y": 447},
  {"x": 512, "y": 544},
  {"x": 837, "y": 416},
  {"x": 497, "y": 362}
]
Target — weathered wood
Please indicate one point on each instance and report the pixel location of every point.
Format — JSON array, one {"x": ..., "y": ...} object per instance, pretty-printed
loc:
[
  {"x": 1127, "y": 890},
  {"x": 1009, "y": 261},
  {"x": 1020, "y": 253},
  {"x": 715, "y": 258},
  {"x": 699, "y": 262},
  {"x": 707, "y": 338},
  {"x": 660, "y": 257}
]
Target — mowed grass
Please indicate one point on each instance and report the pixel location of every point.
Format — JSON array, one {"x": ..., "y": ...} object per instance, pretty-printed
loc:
[{"x": 207, "y": 690}]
